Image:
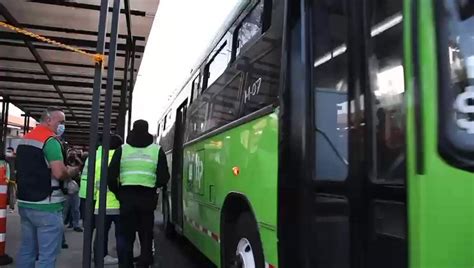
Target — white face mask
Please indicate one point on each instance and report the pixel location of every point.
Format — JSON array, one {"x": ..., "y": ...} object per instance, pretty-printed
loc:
[{"x": 60, "y": 130}]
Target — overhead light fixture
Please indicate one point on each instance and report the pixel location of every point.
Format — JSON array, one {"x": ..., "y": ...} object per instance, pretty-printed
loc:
[{"x": 386, "y": 24}]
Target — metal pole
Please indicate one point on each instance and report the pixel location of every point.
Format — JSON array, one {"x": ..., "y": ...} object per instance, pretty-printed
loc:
[
  {"x": 5, "y": 127},
  {"x": 106, "y": 133},
  {"x": 2, "y": 125},
  {"x": 86, "y": 250},
  {"x": 28, "y": 123},
  {"x": 24, "y": 124},
  {"x": 123, "y": 94},
  {"x": 132, "y": 82}
]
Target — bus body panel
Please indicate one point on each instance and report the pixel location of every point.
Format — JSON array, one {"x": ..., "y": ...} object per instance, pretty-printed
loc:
[
  {"x": 440, "y": 197},
  {"x": 241, "y": 160}
]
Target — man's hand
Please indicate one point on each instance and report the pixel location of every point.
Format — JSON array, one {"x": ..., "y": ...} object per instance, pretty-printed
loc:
[{"x": 73, "y": 171}]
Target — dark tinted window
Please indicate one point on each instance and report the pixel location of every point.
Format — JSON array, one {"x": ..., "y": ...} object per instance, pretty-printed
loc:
[
  {"x": 218, "y": 63},
  {"x": 385, "y": 55},
  {"x": 260, "y": 90},
  {"x": 250, "y": 27},
  {"x": 196, "y": 86},
  {"x": 198, "y": 113},
  {"x": 330, "y": 86},
  {"x": 225, "y": 103}
]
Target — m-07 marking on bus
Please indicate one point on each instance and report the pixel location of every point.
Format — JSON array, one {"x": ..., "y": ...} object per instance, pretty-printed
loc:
[{"x": 252, "y": 90}]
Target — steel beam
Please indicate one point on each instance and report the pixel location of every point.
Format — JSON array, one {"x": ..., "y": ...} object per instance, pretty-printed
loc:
[
  {"x": 39, "y": 45},
  {"x": 86, "y": 6},
  {"x": 45, "y": 90},
  {"x": 55, "y": 83},
  {"x": 10, "y": 19},
  {"x": 65, "y": 40},
  {"x": 87, "y": 245},
  {"x": 55, "y": 74},
  {"x": 106, "y": 133},
  {"x": 73, "y": 31},
  {"x": 57, "y": 63}
]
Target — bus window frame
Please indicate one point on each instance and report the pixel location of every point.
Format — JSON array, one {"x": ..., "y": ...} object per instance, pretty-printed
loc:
[
  {"x": 196, "y": 92},
  {"x": 223, "y": 43},
  {"x": 266, "y": 18},
  {"x": 451, "y": 151}
]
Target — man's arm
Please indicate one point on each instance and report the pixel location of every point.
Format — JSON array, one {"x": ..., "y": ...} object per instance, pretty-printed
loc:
[
  {"x": 62, "y": 172},
  {"x": 162, "y": 172},
  {"x": 54, "y": 155},
  {"x": 114, "y": 171}
]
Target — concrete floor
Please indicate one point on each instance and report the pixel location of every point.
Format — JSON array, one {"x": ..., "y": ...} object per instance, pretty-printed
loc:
[{"x": 177, "y": 253}]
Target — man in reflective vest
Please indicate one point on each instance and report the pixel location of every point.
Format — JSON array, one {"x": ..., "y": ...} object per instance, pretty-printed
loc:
[
  {"x": 40, "y": 168},
  {"x": 135, "y": 172},
  {"x": 112, "y": 208}
]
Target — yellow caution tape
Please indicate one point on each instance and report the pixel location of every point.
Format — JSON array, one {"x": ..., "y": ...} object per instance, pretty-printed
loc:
[{"x": 96, "y": 57}]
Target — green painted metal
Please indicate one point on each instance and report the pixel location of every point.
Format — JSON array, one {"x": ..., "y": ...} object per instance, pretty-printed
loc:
[
  {"x": 209, "y": 179},
  {"x": 441, "y": 201}
]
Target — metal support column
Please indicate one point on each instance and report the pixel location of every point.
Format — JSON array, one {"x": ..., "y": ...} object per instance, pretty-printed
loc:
[
  {"x": 132, "y": 84},
  {"x": 2, "y": 125},
  {"x": 89, "y": 213},
  {"x": 28, "y": 123},
  {"x": 6, "y": 102},
  {"x": 25, "y": 121},
  {"x": 123, "y": 95},
  {"x": 106, "y": 133}
]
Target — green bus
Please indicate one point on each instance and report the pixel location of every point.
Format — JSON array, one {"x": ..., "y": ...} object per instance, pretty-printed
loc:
[{"x": 328, "y": 133}]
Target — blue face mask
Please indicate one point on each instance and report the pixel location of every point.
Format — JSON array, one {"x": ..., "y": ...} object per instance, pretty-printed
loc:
[{"x": 60, "y": 130}]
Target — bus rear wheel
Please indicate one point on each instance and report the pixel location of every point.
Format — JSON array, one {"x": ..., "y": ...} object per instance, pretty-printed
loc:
[{"x": 243, "y": 248}]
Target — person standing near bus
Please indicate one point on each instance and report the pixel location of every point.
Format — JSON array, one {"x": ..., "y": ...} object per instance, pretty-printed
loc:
[
  {"x": 112, "y": 211},
  {"x": 40, "y": 169},
  {"x": 135, "y": 172}
]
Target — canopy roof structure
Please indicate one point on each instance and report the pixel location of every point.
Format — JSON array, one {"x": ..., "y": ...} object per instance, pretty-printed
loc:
[{"x": 35, "y": 75}]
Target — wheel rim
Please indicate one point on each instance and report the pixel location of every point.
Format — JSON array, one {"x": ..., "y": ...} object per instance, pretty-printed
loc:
[{"x": 244, "y": 254}]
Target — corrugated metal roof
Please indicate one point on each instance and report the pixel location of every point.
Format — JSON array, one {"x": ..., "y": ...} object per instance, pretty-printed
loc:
[{"x": 24, "y": 82}]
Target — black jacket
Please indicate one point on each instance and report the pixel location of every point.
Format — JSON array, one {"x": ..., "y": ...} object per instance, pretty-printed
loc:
[{"x": 137, "y": 141}]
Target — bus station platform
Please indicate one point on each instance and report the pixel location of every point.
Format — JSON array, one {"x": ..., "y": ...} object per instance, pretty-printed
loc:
[
  {"x": 169, "y": 253},
  {"x": 82, "y": 57}
]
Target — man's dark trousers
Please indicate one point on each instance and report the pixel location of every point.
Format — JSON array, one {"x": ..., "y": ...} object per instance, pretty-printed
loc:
[{"x": 137, "y": 206}]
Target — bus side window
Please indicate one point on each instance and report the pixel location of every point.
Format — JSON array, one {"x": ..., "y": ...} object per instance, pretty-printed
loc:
[
  {"x": 225, "y": 103},
  {"x": 251, "y": 26},
  {"x": 217, "y": 64},
  {"x": 164, "y": 122},
  {"x": 196, "y": 121},
  {"x": 196, "y": 87}
]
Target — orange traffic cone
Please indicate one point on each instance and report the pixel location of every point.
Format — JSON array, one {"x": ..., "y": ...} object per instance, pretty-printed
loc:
[{"x": 4, "y": 258}]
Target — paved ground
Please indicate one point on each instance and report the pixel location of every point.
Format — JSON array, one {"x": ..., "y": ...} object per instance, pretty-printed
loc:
[{"x": 169, "y": 254}]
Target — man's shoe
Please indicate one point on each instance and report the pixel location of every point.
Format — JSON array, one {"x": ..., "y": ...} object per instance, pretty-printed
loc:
[
  {"x": 65, "y": 246},
  {"x": 78, "y": 229},
  {"x": 109, "y": 260}
]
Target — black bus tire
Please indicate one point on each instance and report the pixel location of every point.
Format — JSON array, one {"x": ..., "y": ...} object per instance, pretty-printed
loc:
[{"x": 244, "y": 235}]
